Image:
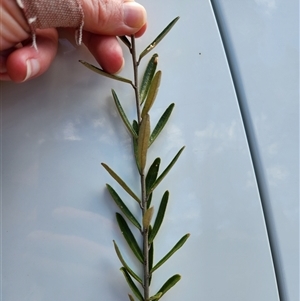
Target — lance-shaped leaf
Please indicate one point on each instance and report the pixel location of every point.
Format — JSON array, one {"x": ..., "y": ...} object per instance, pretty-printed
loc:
[
  {"x": 130, "y": 297},
  {"x": 129, "y": 238},
  {"x": 135, "y": 126},
  {"x": 106, "y": 74},
  {"x": 151, "y": 258},
  {"x": 135, "y": 144},
  {"x": 148, "y": 76},
  {"x": 152, "y": 93},
  {"x": 131, "y": 284},
  {"x": 161, "y": 123},
  {"x": 143, "y": 140},
  {"x": 159, "y": 217},
  {"x": 123, "y": 207},
  {"x": 158, "y": 38},
  {"x": 165, "y": 172},
  {"x": 178, "y": 245},
  {"x": 121, "y": 182},
  {"x": 125, "y": 40},
  {"x": 123, "y": 115},
  {"x": 155, "y": 297},
  {"x": 147, "y": 217},
  {"x": 152, "y": 174},
  {"x": 125, "y": 265},
  {"x": 169, "y": 284},
  {"x": 149, "y": 200}
]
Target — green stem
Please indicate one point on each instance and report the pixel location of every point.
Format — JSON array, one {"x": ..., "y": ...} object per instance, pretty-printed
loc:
[{"x": 145, "y": 231}]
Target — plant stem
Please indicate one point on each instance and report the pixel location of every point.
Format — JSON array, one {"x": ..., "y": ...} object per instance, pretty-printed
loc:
[
  {"x": 145, "y": 231},
  {"x": 136, "y": 80}
]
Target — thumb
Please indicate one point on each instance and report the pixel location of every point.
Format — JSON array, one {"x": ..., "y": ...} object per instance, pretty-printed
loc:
[{"x": 113, "y": 17}]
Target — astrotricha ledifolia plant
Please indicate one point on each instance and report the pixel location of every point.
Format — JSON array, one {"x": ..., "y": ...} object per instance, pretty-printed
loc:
[{"x": 145, "y": 93}]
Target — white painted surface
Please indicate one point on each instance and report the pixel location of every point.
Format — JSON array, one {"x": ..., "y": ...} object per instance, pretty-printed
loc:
[
  {"x": 57, "y": 218},
  {"x": 262, "y": 39}
]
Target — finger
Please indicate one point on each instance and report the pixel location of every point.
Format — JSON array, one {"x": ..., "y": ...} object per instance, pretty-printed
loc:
[
  {"x": 26, "y": 63},
  {"x": 115, "y": 17},
  {"x": 141, "y": 31},
  {"x": 106, "y": 50},
  {"x": 14, "y": 27}
]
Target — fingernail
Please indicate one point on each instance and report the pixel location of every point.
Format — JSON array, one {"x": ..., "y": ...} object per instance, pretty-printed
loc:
[
  {"x": 33, "y": 68},
  {"x": 134, "y": 14}
]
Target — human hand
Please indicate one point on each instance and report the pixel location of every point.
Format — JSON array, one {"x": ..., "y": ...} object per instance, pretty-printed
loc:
[{"x": 103, "y": 21}]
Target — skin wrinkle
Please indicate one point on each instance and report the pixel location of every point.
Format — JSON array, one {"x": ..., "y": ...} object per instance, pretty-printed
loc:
[
  {"x": 94, "y": 7},
  {"x": 116, "y": 14},
  {"x": 7, "y": 18},
  {"x": 17, "y": 14},
  {"x": 104, "y": 8},
  {"x": 14, "y": 26}
]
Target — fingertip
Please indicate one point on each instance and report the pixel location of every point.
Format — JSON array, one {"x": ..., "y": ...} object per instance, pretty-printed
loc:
[
  {"x": 27, "y": 62},
  {"x": 114, "y": 18},
  {"x": 16, "y": 66},
  {"x": 121, "y": 68},
  {"x": 107, "y": 51},
  {"x": 135, "y": 15},
  {"x": 24, "y": 64},
  {"x": 141, "y": 31}
]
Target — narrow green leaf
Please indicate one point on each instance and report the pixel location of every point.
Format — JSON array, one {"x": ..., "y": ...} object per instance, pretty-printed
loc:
[
  {"x": 152, "y": 174},
  {"x": 121, "y": 182},
  {"x": 123, "y": 207},
  {"x": 104, "y": 73},
  {"x": 156, "y": 297},
  {"x": 151, "y": 258},
  {"x": 158, "y": 38},
  {"x": 125, "y": 265},
  {"x": 125, "y": 40},
  {"x": 147, "y": 217},
  {"x": 153, "y": 90},
  {"x": 149, "y": 200},
  {"x": 161, "y": 123},
  {"x": 123, "y": 115},
  {"x": 129, "y": 237},
  {"x": 168, "y": 168},
  {"x": 159, "y": 217},
  {"x": 135, "y": 143},
  {"x": 143, "y": 141},
  {"x": 148, "y": 76},
  {"x": 178, "y": 245},
  {"x": 131, "y": 284},
  {"x": 169, "y": 284},
  {"x": 135, "y": 126},
  {"x": 130, "y": 297}
]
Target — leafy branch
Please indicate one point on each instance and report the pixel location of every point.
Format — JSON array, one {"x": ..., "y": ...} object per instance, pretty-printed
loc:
[{"x": 140, "y": 130}]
